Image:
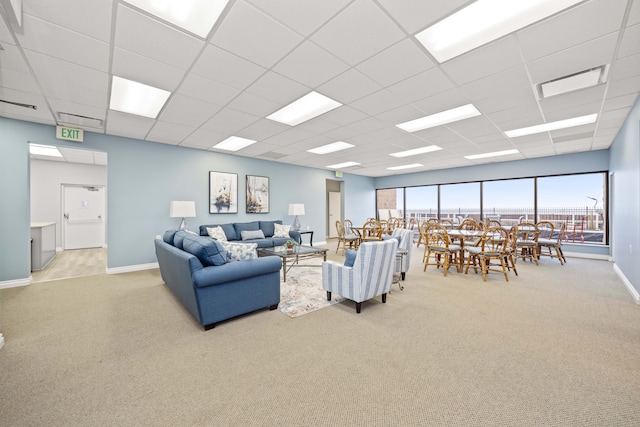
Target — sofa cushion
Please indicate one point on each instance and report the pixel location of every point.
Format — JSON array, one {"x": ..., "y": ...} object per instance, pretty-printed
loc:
[
  {"x": 252, "y": 234},
  {"x": 349, "y": 257},
  {"x": 178, "y": 239},
  {"x": 168, "y": 236},
  {"x": 217, "y": 233},
  {"x": 241, "y": 226},
  {"x": 281, "y": 230},
  {"x": 206, "y": 249},
  {"x": 268, "y": 228},
  {"x": 240, "y": 251}
]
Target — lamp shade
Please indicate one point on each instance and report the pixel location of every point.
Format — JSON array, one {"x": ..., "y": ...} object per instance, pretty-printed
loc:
[
  {"x": 182, "y": 209},
  {"x": 296, "y": 209}
]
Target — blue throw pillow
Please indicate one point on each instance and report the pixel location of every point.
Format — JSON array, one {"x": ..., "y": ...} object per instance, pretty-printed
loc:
[
  {"x": 245, "y": 226},
  {"x": 267, "y": 227},
  {"x": 209, "y": 251},
  {"x": 349, "y": 257},
  {"x": 168, "y": 235}
]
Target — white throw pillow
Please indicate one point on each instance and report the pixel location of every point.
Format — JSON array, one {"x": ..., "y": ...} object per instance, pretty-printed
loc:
[
  {"x": 281, "y": 230},
  {"x": 217, "y": 233},
  {"x": 240, "y": 251}
]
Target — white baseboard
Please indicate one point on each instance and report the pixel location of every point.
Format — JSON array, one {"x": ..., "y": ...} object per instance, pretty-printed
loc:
[
  {"x": 131, "y": 268},
  {"x": 16, "y": 283},
  {"x": 601, "y": 257},
  {"x": 634, "y": 293}
]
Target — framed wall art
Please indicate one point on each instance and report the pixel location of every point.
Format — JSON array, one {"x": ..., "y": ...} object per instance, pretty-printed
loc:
[
  {"x": 257, "y": 194},
  {"x": 223, "y": 192}
]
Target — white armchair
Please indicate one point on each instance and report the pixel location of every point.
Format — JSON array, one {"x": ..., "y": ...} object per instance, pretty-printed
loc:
[
  {"x": 370, "y": 276},
  {"x": 406, "y": 242}
]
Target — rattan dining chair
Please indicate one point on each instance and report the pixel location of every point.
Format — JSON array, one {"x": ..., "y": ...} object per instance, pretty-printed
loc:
[
  {"x": 344, "y": 238},
  {"x": 438, "y": 245},
  {"x": 553, "y": 243},
  {"x": 527, "y": 243},
  {"x": 490, "y": 253}
]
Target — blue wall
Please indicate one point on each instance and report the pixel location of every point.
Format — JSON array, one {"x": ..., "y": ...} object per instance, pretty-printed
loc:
[
  {"x": 625, "y": 168},
  {"x": 142, "y": 178}
]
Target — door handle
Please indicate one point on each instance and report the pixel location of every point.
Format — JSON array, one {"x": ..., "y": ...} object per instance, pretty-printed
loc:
[{"x": 66, "y": 216}]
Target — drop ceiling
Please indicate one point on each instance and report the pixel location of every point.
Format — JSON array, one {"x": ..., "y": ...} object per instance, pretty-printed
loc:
[{"x": 262, "y": 55}]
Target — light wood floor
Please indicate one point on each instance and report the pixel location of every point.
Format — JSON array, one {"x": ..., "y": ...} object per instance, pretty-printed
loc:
[{"x": 73, "y": 263}]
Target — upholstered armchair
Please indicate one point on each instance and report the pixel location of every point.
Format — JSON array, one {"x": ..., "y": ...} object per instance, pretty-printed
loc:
[
  {"x": 371, "y": 274},
  {"x": 406, "y": 242}
]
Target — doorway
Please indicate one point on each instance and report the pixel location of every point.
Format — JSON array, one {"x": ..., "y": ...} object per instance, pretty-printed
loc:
[{"x": 74, "y": 182}]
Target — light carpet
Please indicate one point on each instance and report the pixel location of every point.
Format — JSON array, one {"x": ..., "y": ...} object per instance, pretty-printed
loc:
[{"x": 302, "y": 293}]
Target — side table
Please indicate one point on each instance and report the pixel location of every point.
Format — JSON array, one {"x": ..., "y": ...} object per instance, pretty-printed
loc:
[{"x": 310, "y": 237}]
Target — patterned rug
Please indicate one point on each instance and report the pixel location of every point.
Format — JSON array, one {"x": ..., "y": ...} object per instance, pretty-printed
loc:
[{"x": 302, "y": 293}]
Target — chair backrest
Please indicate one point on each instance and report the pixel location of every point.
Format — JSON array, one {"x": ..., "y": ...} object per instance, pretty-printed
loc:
[
  {"x": 340, "y": 229},
  {"x": 563, "y": 229},
  {"x": 527, "y": 232},
  {"x": 373, "y": 268},
  {"x": 495, "y": 241},
  {"x": 470, "y": 224},
  {"x": 493, "y": 223},
  {"x": 446, "y": 223},
  {"x": 406, "y": 242},
  {"x": 348, "y": 226},
  {"x": 436, "y": 236},
  {"x": 545, "y": 230},
  {"x": 513, "y": 239},
  {"x": 372, "y": 230}
]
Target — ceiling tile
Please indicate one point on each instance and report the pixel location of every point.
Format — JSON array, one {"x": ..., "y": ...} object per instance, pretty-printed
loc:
[
  {"x": 422, "y": 85},
  {"x": 415, "y": 15},
  {"x": 630, "y": 45},
  {"x": 303, "y": 17},
  {"x": 358, "y": 32},
  {"x": 41, "y": 114},
  {"x": 400, "y": 61},
  {"x": 349, "y": 86},
  {"x": 187, "y": 111},
  {"x": 128, "y": 125},
  {"x": 91, "y": 18},
  {"x": 626, "y": 68},
  {"x": 277, "y": 88},
  {"x": 587, "y": 21},
  {"x": 377, "y": 102},
  {"x": 142, "y": 69},
  {"x": 310, "y": 65},
  {"x": 169, "y": 133},
  {"x": 254, "y": 105},
  {"x": 494, "y": 84},
  {"x": 53, "y": 40},
  {"x": 146, "y": 36},
  {"x": 249, "y": 33},
  {"x": 203, "y": 89},
  {"x": 224, "y": 67}
]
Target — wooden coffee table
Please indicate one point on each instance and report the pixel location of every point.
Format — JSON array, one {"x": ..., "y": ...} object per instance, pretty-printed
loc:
[{"x": 293, "y": 256}]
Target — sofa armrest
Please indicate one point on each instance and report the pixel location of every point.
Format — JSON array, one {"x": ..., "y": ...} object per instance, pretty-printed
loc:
[
  {"x": 295, "y": 235},
  {"x": 238, "y": 270}
]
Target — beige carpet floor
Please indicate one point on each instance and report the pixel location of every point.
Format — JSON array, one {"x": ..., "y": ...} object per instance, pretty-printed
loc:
[{"x": 555, "y": 346}]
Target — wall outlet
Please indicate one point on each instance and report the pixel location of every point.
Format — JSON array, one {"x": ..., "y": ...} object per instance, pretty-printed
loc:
[
  {"x": 630, "y": 249},
  {"x": 158, "y": 237}
]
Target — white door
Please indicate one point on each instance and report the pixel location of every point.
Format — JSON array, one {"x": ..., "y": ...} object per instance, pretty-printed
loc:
[
  {"x": 83, "y": 217},
  {"x": 334, "y": 212}
]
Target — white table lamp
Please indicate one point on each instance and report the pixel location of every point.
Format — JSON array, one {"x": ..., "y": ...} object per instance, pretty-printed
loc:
[
  {"x": 182, "y": 209},
  {"x": 296, "y": 209}
]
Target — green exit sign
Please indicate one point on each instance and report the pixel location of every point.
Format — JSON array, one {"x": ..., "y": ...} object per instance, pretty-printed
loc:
[{"x": 70, "y": 134}]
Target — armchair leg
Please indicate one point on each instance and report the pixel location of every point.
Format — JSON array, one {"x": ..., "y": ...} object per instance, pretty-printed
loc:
[
  {"x": 358, "y": 307},
  {"x": 403, "y": 274},
  {"x": 384, "y": 298},
  {"x": 328, "y": 295}
]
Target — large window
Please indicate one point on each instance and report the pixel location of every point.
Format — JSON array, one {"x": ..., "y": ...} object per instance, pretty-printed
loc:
[
  {"x": 576, "y": 201},
  {"x": 460, "y": 201},
  {"x": 509, "y": 201}
]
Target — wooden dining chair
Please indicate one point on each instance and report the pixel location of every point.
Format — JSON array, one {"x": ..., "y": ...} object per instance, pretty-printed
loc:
[
  {"x": 554, "y": 243},
  {"x": 439, "y": 246},
  {"x": 372, "y": 231},
  {"x": 344, "y": 238},
  {"x": 527, "y": 244},
  {"x": 490, "y": 253}
]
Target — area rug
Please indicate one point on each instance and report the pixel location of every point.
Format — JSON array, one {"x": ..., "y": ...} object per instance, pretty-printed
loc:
[{"x": 302, "y": 293}]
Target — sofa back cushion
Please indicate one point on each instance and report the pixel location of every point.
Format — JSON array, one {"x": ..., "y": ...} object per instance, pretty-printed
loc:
[
  {"x": 245, "y": 226},
  {"x": 207, "y": 250},
  {"x": 168, "y": 236},
  {"x": 267, "y": 227},
  {"x": 178, "y": 238},
  {"x": 228, "y": 229}
]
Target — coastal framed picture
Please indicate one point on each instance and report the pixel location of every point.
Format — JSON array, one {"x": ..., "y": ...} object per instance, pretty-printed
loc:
[
  {"x": 257, "y": 194},
  {"x": 223, "y": 192}
]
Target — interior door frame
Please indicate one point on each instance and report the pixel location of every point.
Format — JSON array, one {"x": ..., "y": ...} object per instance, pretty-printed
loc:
[{"x": 63, "y": 221}]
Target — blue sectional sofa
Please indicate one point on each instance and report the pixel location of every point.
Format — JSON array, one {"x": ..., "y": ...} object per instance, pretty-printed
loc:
[
  {"x": 198, "y": 271},
  {"x": 234, "y": 232}
]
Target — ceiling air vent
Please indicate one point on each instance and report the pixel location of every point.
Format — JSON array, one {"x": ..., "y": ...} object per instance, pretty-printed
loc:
[
  {"x": 576, "y": 81},
  {"x": 79, "y": 121},
  {"x": 574, "y": 137}
]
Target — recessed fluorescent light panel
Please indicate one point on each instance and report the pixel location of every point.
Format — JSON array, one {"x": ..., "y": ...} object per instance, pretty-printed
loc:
[
  {"x": 44, "y": 150},
  {"x": 234, "y": 143},
  {"x": 416, "y": 151},
  {"x": 484, "y": 21},
  {"x": 411, "y": 166},
  {"x": 343, "y": 165},
  {"x": 136, "y": 98},
  {"x": 494, "y": 154},
  {"x": 547, "y": 127},
  {"x": 441, "y": 118},
  {"x": 309, "y": 106},
  {"x": 196, "y": 16},
  {"x": 577, "y": 81},
  {"x": 330, "y": 148}
]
